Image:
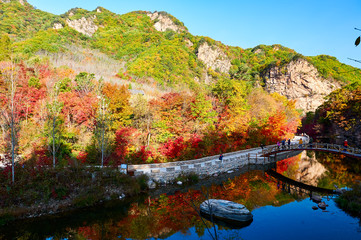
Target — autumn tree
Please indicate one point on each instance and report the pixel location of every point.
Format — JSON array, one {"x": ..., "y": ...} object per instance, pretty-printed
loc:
[
  {"x": 142, "y": 116},
  {"x": 54, "y": 107},
  {"x": 232, "y": 94},
  {"x": 5, "y": 47},
  {"x": 11, "y": 108},
  {"x": 202, "y": 111},
  {"x": 84, "y": 83},
  {"x": 172, "y": 116},
  {"x": 119, "y": 106},
  {"x": 102, "y": 133}
]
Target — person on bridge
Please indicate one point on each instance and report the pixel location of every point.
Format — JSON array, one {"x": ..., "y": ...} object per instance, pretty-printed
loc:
[
  {"x": 278, "y": 145},
  {"x": 289, "y": 143},
  {"x": 345, "y": 144},
  {"x": 221, "y": 157},
  {"x": 283, "y": 143}
]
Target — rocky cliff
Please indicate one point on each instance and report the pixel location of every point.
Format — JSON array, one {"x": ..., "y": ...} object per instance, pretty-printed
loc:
[
  {"x": 22, "y": 2},
  {"x": 163, "y": 22},
  {"x": 214, "y": 58},
  {"x": 83, "y": 25},
  {"x": 299, "y": 80}
]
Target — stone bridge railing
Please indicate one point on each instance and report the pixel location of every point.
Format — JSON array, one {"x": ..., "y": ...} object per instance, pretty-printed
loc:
[{"x": 327, "y": 147}]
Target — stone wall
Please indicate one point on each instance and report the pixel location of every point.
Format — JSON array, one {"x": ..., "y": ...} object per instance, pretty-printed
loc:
[{"x": 203, "y": 167}]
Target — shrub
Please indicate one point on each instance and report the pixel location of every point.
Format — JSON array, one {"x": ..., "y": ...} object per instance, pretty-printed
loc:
[{"x": 34, "y": 82}]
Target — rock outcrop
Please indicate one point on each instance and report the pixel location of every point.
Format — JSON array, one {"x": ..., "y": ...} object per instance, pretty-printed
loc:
[
  {"x": 83, "y": 25},
  {"x": 57, "y": 26},
  {"x": 22, "y": 2},
  {"x": 299, "y": 80},
  {"x": 226, "y": 210},
  {"x": 163, "y": 22},
  {"x": 214, "y": 58}
]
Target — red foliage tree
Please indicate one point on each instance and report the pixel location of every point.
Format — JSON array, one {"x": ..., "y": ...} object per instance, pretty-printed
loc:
[
  {"x": 79, "y": 110},
  {"x": 123, "y": 140},
  {"x": 173, "y": 148}
]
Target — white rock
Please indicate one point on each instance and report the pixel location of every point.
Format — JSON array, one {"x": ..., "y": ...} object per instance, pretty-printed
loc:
[
  {"x": 151, "y": 184},
  {"x": 316, "y": 198},
  {"x": 164, "y": 23},
  {"x": 83, "y": 25},
  {"x": 322, "y": 205},
  {"x": 226, "y": 210},
  {"x": 162, "y": 181},
  {"x": 57, "y": 26},
  {"x": 299, "y": 80},
  {"x": 214, "y": 58}
]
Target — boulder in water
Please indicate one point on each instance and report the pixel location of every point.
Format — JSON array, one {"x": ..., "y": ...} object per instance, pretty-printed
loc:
[
  {"x": 314, "y": 207},
  {"x": 316, "y": 198},
  {"x": 226, "y": 211},
  {"x": 322, "y": 205}
]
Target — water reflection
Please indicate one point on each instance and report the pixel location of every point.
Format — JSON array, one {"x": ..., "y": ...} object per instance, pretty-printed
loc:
[{"x": 173, "y": 217}]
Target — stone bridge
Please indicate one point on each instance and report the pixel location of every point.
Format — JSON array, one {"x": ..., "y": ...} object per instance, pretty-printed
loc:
[{"x": 323, "y": 147}]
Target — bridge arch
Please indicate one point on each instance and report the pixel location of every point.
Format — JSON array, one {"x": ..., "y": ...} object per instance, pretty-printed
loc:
[{"x": 322, "y": 147}]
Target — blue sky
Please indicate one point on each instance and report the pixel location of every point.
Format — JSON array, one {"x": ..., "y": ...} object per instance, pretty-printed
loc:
[{"x": 310, "y": 27}]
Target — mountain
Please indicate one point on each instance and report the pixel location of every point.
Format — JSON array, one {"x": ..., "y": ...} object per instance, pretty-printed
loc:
[{"x": 155, "y": 53}]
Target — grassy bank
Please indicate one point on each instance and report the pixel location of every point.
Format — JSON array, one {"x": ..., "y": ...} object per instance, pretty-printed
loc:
[
  {"x": 350, "y": 201},
  {"x": 41, "y": 191}
]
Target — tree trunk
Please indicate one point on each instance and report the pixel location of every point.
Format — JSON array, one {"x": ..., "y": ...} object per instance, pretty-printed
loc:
[
  {"x": 103, "y": 130},
  {"x": 53, "y": 133},
  {"x": 12, "y": 127}
]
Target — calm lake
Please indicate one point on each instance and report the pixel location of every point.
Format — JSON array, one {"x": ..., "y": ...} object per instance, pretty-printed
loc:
[{"x": 280, "y": 210}]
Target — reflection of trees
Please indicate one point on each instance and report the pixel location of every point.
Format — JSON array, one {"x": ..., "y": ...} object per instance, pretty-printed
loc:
[
  {"x": 343, "y": 171},
  {"x": 163, "y": 216},
  {"x": 321, "y": 169}
]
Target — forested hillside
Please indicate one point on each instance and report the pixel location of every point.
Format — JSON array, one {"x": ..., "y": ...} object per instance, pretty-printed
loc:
[
  {"x": 339, "y": 118},
  {"x": 136, "y": 88}
]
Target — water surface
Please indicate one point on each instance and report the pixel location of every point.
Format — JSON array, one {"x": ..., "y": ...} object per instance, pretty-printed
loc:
[{"x": 280, "y": 211}]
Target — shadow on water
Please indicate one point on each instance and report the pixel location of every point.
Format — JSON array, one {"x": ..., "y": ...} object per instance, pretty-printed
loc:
[
  {"x": 56, "y": 226},
  {"x": 227, "y": 222},
  {"x": 301, "y": 185}
]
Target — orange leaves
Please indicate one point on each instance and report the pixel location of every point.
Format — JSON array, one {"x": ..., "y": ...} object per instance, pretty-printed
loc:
[
  {"x": 276, "y": 127},
  {"x": 173, "y": 114},
  {"x": 65, "y": 72},
  {"x": 118, "y": 104}
]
